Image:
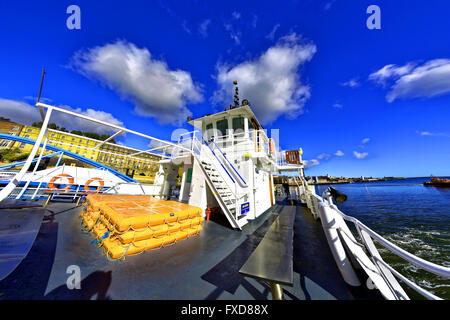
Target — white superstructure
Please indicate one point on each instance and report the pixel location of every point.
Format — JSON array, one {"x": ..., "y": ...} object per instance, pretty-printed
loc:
[{"x": 230, "y": 166}]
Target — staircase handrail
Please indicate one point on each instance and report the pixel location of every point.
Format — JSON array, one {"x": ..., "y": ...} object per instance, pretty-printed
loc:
[{"x": 228, "y": 161}]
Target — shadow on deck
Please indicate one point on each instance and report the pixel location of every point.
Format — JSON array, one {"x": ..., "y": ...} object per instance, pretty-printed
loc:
[{"x": 201, "y": 267}]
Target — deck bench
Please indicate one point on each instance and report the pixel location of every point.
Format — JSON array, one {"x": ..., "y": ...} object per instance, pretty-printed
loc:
[{"x": 272, "y": 260}]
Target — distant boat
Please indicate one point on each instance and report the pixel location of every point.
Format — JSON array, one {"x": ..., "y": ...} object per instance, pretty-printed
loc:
[{"x": 437, "y": 182}]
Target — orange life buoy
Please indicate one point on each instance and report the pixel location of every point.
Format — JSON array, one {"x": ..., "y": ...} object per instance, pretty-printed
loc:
[
  {"x": 272, "y": 146},
  {"x": 100, "y": 187},
  {"x": 51, "y": 184}
]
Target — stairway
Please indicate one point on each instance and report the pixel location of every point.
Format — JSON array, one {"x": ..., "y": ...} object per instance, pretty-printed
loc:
[{"x": 226, "y": 197}]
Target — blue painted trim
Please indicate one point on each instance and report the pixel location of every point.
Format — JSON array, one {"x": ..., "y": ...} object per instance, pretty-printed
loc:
[
  {"x": 229, "y": 162},
  {"x": 70, "y": 154},
  {"x": 219, "y": 160},
  {"x": 59, "y": 160}
]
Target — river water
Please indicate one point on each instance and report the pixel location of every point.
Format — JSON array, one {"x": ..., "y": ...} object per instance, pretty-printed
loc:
[{"x": 409, "y": 214}]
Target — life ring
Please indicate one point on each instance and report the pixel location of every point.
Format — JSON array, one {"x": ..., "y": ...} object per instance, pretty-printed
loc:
[
  {"x": 100, "y": 187},
  {"x": 51, "y": 184}
]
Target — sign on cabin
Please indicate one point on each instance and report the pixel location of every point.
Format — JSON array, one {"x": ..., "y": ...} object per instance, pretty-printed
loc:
[
  {"x": 245, "y": 207},
  {"x": 292, "y": 157}
]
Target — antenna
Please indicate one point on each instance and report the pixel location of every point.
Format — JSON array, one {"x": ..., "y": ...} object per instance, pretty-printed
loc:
[
  {"x": 236, "y": 94},
  {"x": 41, "y": 111},
  {"x": 40, "y": 88}
]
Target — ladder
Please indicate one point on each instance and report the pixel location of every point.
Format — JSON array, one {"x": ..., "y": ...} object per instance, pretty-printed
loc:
[{"x": 225, "y": 196}]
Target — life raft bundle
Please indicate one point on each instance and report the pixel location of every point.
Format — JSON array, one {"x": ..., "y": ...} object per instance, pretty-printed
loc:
[{"x": 126, "y": 225}]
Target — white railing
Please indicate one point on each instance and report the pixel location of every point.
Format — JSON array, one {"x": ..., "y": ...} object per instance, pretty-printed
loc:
[
  {"x": 367, "y": 236},
  {"x": 165, "y": 146}
]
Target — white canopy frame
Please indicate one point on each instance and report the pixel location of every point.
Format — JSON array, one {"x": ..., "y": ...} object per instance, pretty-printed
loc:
[{"x": 6, "y": 191}]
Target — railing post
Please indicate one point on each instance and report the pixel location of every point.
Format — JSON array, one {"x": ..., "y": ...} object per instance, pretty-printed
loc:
[
  {"x": 4, "y": 193},
  {"x": 277, "y": 291},
  {"x": 49, "y": 198},
  {"x": 330, "y": 227}
]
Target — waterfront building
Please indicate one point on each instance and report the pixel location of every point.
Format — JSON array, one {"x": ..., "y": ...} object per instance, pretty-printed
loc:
[{"x": 142, "y": 166}]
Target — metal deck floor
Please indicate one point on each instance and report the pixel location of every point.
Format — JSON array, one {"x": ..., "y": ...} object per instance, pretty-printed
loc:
[{"x": 201, "y": 267}]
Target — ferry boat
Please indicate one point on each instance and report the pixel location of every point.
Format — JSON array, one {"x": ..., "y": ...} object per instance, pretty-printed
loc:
[
  {"x": 254, "y": 240},
  {"x": 437, "y": 182}
]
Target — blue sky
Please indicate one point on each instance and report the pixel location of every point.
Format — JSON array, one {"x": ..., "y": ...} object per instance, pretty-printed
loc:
[{"x": 358, "y": 101}]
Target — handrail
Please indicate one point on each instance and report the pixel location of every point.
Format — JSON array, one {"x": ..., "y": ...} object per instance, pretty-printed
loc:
[
  {"x": 67, "y": 153},
  {"x": 228, "y": 161},
  {"x": 216, "y": 192},
  {"x": 419, "y": 289},
  {"x": 409, "y": 257},
  {"x": 219, "y": 160},
  {"x": 419, "y": 262}
]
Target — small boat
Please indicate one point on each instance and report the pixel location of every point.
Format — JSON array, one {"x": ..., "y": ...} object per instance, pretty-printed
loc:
[{"x": 437, "y": 182}]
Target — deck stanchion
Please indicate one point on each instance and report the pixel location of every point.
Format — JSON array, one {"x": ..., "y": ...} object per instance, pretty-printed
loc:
[
  {"x": 277, "y": 291},
  {"x": 79, "y": 200},
  {"x": 49, "y": 198}
]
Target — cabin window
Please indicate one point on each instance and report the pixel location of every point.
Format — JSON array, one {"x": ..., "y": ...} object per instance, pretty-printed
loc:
[
  {"x": 238, "y": 125},
  {"x": 222, "y": 127},
  {"x": 209, "y": 131}
]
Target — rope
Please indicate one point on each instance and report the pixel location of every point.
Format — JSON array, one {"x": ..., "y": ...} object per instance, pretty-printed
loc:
[
  {"x": 99, "y": 240},
  {"x": 123, "y": 256}
]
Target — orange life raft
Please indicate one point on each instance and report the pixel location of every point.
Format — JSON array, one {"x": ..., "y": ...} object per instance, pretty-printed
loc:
[{"x": 125, "y": 225}]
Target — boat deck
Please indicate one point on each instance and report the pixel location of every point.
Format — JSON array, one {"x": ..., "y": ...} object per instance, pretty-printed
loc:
[{"x": 202, "y": 267}]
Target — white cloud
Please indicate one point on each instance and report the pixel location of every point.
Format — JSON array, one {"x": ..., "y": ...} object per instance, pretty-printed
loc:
[
  {"x": 41, "y": 99},
  {"x": 389, "y": 71},
  {"x": 270, "y": 82},
  {"x": 185, "y": 27},
  {"x": 203, "y": 28},
  {"x": 338, "y": 106},
  {"x": 234, "y": 34},
  {"x": 310, "y": 163},
  {"x": 324, "y": 156},
  {"x": 156, "y": 90},
  {"x": 22, "y": 112},
  {"x": 339, "y": 153},
  {"x": 365, "y": 140},
  {"x": 429, "y": 79},
  {"x": 236, "y": 15},
  {"x": 254, "y": 21},
  {"x": 352, "y": 83},
  {"x": 360, "y": 155},
  {"x": 328, "y": 5},
  {"x": 435, "y": 134},
  {"x": 271, "y": 35}
]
